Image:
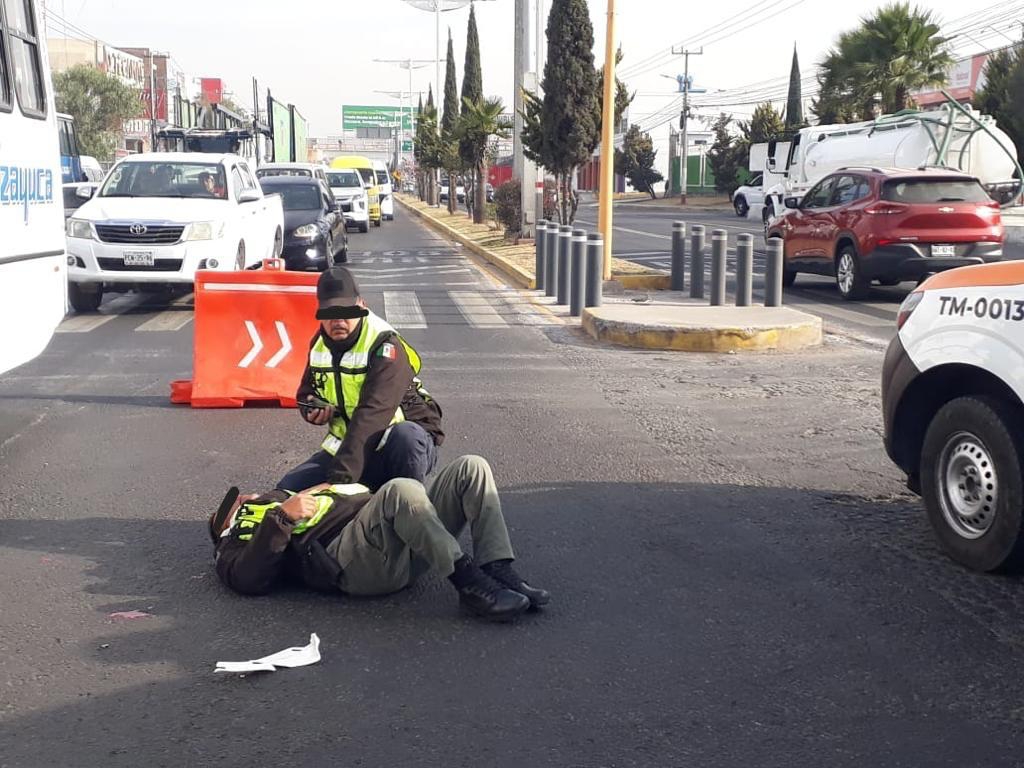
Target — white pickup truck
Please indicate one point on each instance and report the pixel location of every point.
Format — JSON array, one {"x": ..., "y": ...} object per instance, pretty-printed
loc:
[{"x": 160, "y": 217}]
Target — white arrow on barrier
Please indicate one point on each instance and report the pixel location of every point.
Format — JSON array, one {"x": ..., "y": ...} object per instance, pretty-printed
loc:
[
  {"x": 257, "y": 345},
  {"x": 286, "y": 345}
]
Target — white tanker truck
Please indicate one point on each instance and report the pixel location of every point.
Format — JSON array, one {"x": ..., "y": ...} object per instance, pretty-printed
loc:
[{"x": 952, "y": 136}]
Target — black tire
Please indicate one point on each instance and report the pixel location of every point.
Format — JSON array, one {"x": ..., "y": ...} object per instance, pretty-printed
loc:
[
  {"x": 850, "y": 279},
  {"x": 85, "y": 298},
  {"x": 364, "y": 227},
  {"x": 740, "y": 206},
  {"x": 240, "y": 256},
  {"x": 979, "y": 523},
  {"x": 377, "y": 222},
  {"x": 342, "y": 258},
  {"x": 788, "y": 277}
]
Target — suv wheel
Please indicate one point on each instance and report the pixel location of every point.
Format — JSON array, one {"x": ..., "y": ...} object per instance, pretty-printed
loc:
[
  {"x": 972, "y": 482},
  {"x": 740, "y": 206},
  {"x": 849, "y": 277},
  {"x": 85, "y": 297}
]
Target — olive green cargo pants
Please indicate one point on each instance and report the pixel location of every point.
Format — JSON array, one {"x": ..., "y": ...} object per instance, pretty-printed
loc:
[{"x": 406, "y": 529}]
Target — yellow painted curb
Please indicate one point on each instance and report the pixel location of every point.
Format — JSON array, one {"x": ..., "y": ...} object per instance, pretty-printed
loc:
[
  {"x": 791, "y": 336},
  {"x": 513, "y": 272},
  {"x": 643, "y": 282}
]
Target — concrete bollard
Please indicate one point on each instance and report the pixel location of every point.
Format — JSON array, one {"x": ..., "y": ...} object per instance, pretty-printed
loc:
[
  {"x": 719, "y": 249},
  {"x": 697, "y": 261},
  {"x": 595, "y": 270},
  {"x": 678, "y": 279},
  {"x": 562, "y": 278},
  {"x": 551, "y": 259},
  {"x": 539, "y": 266},
  {"x": 577, "y": 273},
  {"x": 773, "y": 273},
  {"x": 744, "y": 270}
]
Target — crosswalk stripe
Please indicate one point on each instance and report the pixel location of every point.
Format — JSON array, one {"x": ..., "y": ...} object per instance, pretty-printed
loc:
[
  {"x": 83, "y": 323},
  {"x": 402, "y": 310},
  {"x": 171, "y": 320},
  {"x": 477, "y": 309}
]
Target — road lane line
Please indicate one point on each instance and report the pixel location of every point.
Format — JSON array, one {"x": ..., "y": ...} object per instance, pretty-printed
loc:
[
  {"x": 83, "y": 323},
  {"x": 477, "y": 309},
  {"x": 402, "y": 309},
  {"x": 171, "y": 320}
]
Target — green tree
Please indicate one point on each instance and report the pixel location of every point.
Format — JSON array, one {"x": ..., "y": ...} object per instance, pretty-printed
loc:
[
  {"x": 794, "y": 101},
  {"x": 623, "y": 98},
  {"x": 562, "y": 129},
  {"x": 764, "y": 125},
  {"x": 1003, "y": 94},
  {"x": 636, "y": 159},
  {"x": 99, "y": 103},
  {"x": 449, "y": 122},
  {"x": 426, "y": 149},
  {"x": 481, "y": 121},
  {"x": 727, "y": 154},
  {"x": 472, "y": 95},
  {"x": 882, "y": 62}
]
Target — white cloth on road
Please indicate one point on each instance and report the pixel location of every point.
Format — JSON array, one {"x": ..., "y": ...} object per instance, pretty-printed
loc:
[{"x": 289, "y": 657}]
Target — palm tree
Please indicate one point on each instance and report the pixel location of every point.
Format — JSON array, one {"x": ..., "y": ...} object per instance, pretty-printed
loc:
[
  {"x": 893, "y": 53},
  {"x": 479, "y": 122}
]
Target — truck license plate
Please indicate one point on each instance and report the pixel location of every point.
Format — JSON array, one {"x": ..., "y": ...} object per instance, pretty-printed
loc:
[
  {"x": 943, "y": 251},
  {"x": 138, "y": 258}
]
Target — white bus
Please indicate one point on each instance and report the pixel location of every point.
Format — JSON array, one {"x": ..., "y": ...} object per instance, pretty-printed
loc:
[{"x": 33, "y": 259}]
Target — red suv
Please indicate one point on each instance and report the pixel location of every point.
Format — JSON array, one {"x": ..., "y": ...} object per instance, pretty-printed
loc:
[{"x": 864, "y": 224}]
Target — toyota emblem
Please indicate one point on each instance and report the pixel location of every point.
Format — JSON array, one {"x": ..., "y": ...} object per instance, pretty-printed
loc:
[{"x": 138, "y": 229}]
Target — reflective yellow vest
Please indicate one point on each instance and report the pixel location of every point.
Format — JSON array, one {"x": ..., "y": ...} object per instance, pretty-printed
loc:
[
  {"x": 342, "y": 386},
  {"x": 250, "y": 515}
]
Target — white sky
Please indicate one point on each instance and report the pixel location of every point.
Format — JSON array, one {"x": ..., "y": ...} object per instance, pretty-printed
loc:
[{"x": 319, "y": 55}]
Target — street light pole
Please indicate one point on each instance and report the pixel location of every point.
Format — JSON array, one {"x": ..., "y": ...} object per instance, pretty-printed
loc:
[
  {"x": 684, "y": 119},
  {"x": 607, "y": 142}
]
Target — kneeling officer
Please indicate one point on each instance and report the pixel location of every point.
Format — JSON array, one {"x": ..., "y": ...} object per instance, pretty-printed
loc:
[{"x": 362, "y": 380}]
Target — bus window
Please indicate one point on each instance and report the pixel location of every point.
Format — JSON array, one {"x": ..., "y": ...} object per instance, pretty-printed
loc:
[
  {"x": 28, "y": 68},
  {"x": 5, "y": 80}
]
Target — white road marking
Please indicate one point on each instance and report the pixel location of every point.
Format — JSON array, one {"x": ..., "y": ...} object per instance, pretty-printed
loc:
[
  {"x": 83, "y": 323},
  {"x": 477, "y": 309},
  {"x": 402, "y": 310},
  {"x": 167, "y": 321}
]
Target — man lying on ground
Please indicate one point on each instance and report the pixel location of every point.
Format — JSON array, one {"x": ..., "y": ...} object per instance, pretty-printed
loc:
[{"x": 343, "y": 538}]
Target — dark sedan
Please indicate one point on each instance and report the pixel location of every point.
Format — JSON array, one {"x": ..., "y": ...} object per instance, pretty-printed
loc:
[{"x": 314, "y": 230}]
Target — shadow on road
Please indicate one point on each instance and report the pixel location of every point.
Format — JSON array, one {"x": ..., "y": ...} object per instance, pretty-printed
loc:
[{"x": 691, "y": 625}]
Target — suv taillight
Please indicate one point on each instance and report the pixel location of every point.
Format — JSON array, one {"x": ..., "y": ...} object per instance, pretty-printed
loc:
[
  {"x": 885, "y": 208},
  {"x": 991, "y": 212},
  {"x": 907, "y": 308}
]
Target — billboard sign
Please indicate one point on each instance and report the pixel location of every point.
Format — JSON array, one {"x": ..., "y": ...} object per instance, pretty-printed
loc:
[
  {"x": 281, "y": 124},
  {"x": 129, "y": 69},
  {"x": 212, "y": 89},
  {"x": 356, "y": 116}
]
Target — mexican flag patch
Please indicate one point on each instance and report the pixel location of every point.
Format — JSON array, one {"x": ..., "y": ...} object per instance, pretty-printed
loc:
[{"x": 388, "y": 351}]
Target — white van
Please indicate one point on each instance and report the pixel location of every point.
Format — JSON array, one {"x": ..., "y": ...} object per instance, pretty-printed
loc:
[
  {"x": 350, "y": 191},
  {"x": 387, "y": 190},
  {"x": 33, "y": 261}
]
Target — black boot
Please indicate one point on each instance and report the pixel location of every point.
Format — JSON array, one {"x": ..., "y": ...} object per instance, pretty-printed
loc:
[
  {"x": 484, "y": 596},
  {"x": 502, "y": 572}
]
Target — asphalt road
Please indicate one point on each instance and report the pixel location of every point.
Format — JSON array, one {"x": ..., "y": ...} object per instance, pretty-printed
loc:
[
  {"x": 643, "y": 234},
  {"x": 738, "y": 576}
]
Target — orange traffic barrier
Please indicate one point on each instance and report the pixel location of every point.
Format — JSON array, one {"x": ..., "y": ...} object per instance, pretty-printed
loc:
[{"x": 251, "y": 338}]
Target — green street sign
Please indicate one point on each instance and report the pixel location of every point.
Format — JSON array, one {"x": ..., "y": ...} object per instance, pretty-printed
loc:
[
  {"x": 407, "y": 146},
  {"x": 361, "y": 116}
]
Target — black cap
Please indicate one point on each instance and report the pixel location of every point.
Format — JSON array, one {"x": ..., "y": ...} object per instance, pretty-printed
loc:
[{"x": 337, "y": 294}]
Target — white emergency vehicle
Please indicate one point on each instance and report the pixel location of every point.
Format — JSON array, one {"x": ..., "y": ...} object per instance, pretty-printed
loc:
[
  {"x": 953, "y": 402},
  {"x": 33, "y": 266}
]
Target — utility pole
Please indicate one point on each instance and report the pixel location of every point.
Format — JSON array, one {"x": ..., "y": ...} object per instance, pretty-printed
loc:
[
  {"x": 522, "y": 169},
  {"x": 683, "y": 117},
  {"x": 608, "y": 142}
]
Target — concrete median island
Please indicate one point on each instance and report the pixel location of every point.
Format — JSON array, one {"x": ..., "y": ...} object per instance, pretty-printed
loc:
[{"x": 700, "y": 328}]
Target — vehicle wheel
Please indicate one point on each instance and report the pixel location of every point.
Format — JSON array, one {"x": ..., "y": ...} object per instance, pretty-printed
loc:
[
  {"x": 740, "y": 206},
  {"x": 342, "y": 258},
  {"x": 376, "y": 222},
  {"x": 329, "y": 249},
  {"x": 85, "y": 297},
  {"x": 972, "y": 482},
  {"x": 364, "y": 227},
  {"x": 849, "y": 278},
  {"x": 278, "y": 244},
  {"x": 240, "y": 257},
  {"x": 788, "y": 277}
]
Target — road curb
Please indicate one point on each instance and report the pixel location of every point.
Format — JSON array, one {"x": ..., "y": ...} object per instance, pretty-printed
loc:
[
  {"x": 513, "y": 272},
  {"x": 704, "y": 329}
]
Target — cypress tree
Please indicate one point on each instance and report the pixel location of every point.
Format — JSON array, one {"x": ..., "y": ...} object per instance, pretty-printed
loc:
[
  {"x": 472, "y": 75},
  {"x": 794, "y": 104},
  {"x": 568, "y": 113},
  {"x": 450, "y": 115}
]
